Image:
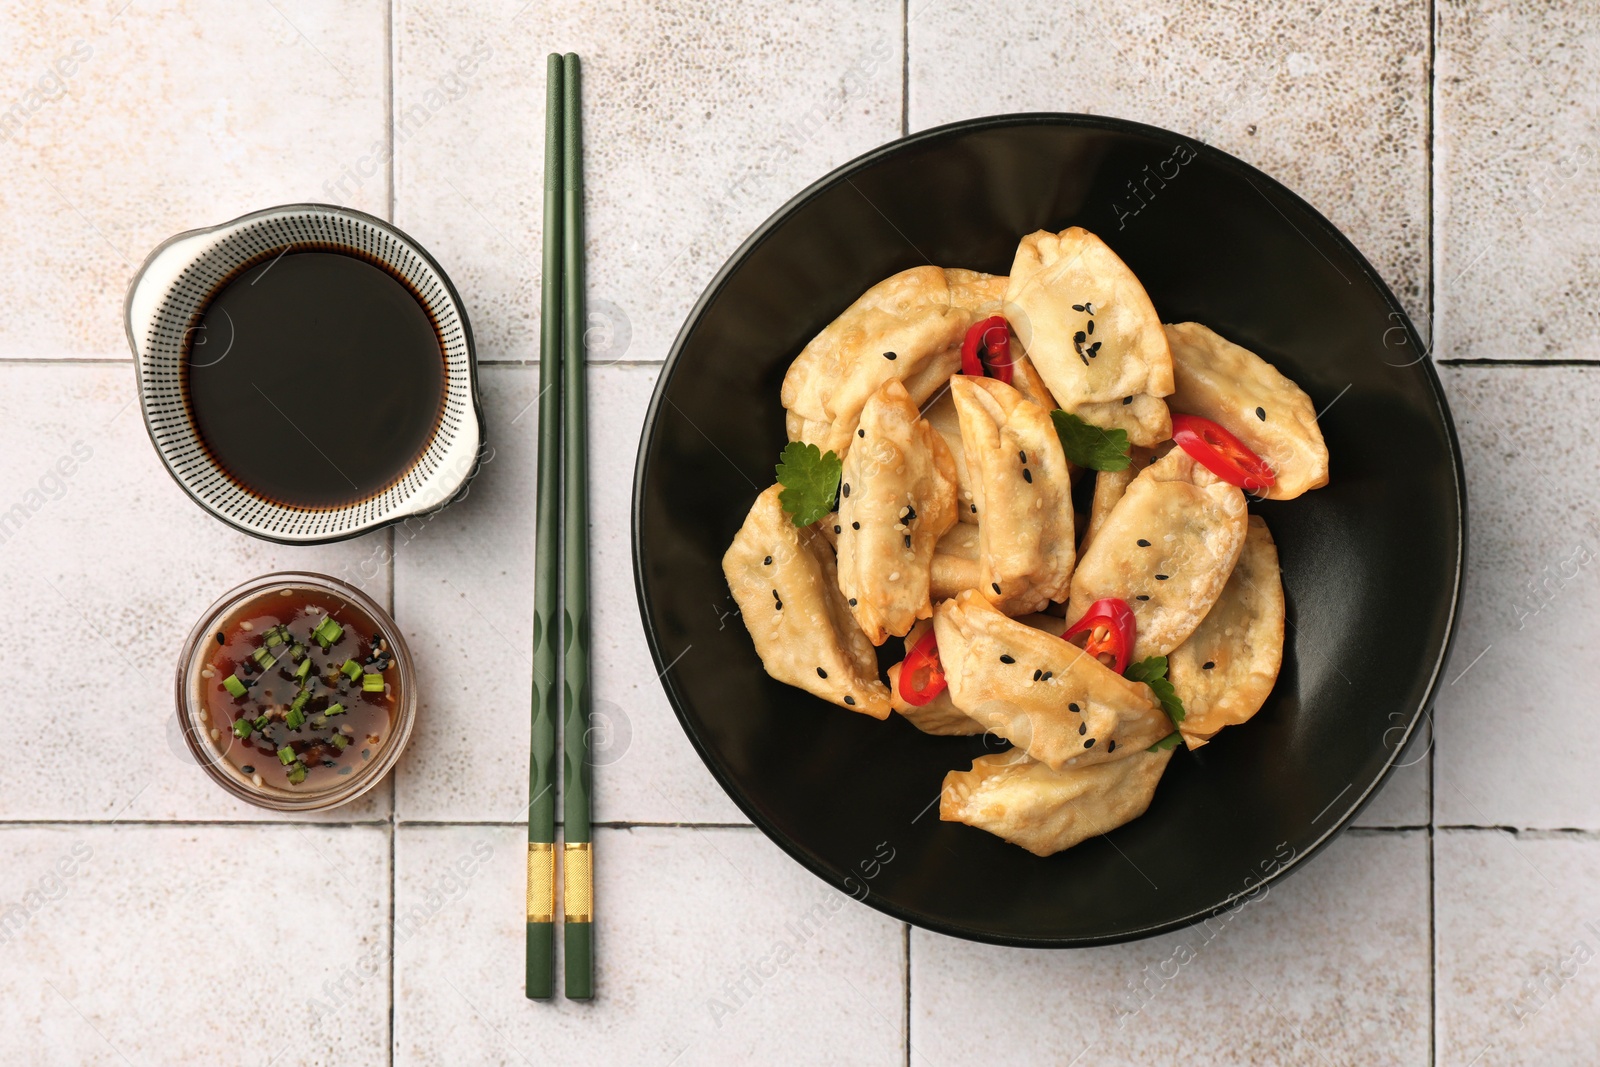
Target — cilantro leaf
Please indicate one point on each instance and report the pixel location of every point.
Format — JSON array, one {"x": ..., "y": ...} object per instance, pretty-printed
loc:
[
  {"x": 1170, "y": 741},
  {"x": 1153, "y": 672},
  {"x": 1091, "y": 446},
  {"x": 810, "y": 480}
]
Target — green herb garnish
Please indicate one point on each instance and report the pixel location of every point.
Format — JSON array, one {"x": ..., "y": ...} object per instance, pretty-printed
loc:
[
  {"x": 1091, "y": 446},
  {"x": 286, "y": 755},
  {"x": 299, "y": 701},
  {"x": 340, "y": 741},
  {"x": 372, "y": 683},
  {"x": 294, "y": 718},
  {"x": 1170, "y": 741},
  {"x": 810, "y": 480},
  {"x": 297, "y": 652},
  {"x": 242, "y": 728},
  {"x": 276, "y": 636},
  {"x": 302, "y": 672},
  {"x": 297, "y": 775},
  {"x": 334, "y": 709},
  {"x": 327, "y": 631},
  {"x": 1153, "y": 672},
  {"x": 351, "y": 669},
  {"x": 235, "y": 687},
  {"x": 264, "y": 658},
  {"x": 261, "y": 723}
]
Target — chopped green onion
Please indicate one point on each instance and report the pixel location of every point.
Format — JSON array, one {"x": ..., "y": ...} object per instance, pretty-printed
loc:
[
  {"x": 234, "y": 686},
  {"x": 277, "y": 636},
  {"x": 327, "y": 631},
  {"x": 340, "y": 741},
  {"x": 319, "y": 721},
  {"x": 302, "y": 672},
  {"x": 261, "y": 723},
  {"x": 286, "y": 755},
  {"x": 299, "y": 701},
  {"x": 352, "y": 669},
  {"x": 372, "y": 683},
  {"x": 297, "y": 652},
  {"x": 294, "y": 719},
  {"x": 334, "y": 709},
  {"x": 242, "y": 728},
  {"x": 297, "y": 776}
]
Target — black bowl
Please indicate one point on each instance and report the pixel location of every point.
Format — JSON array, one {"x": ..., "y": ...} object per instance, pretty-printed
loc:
[{"x": 1371, "y": 564}]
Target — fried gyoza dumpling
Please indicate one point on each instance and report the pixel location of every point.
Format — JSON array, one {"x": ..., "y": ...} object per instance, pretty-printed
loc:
[
  {"x": 896, "y": 499},
  {"x": 937, "y": 716},
  {"x": 1026, "y": 545},
  {"x": 1227, "y": 668},
  {"x": 1045, "y": 811},
  {"x": 1044, "y": 695},
  {"x": 1167, "y": 549},
  {"x": 1090, "y": 329},
  {"x": 1108, "y": 489},
  {"x": 908, "y": 328},
  {"x": 955, "y": 563},
  {"x": 784, "y": 579},
  {"x": 1233, "y": 386},
  {"x": 941, "y": 415}
]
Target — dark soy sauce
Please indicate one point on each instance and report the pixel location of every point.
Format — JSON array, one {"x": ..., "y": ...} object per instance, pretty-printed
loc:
[{"x": 315, "y": 379}]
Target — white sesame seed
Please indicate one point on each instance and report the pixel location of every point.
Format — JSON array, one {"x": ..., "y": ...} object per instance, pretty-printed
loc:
[
  {"x": 215, "y": 733},
  {"x": 204, "y": 715},
  {"x": 895, "y": 576},
  {"x": 256, "y": 778},
  {"x": 247, "y": 626},
  {"x": 207, "y": 672}
]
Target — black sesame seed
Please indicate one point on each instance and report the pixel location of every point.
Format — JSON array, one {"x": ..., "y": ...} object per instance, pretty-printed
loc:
[
  {"x": 908, "y": 540},
  {"x": 846, "y": 488},
  {"x": 1022, "y": 454},
  {"x": 852, "y": 601},
  {"x": 837, "y": 530},
  {"x": 778, "y": 606},
  {"x": 775, "y": 595},
  {"x": 1111, "y": 746},
  {"x": 1078, "y": 337},
  {"x": 1006, "y": 659},
  {"x": 1207, "y": 665},
  {"x": 1089, "y": 307},
  {"x": 1261, "y": 414},
  {"x": 248, "y": 769},
  {"x": 1162, "y": 577},
  {"x": 1094, "y": 349},
  {"x": 821, "y": 673},
  {"x": 1048, "y": 675},
  {"x": 911, "y": 513},
  {"x": 848, "y": 699},
  {"x": 1072, "y": 707},
  {"x": 855, "y": 526},
  {"x": 1077, "y": 307},
  {"x": 1091, "y": 326},
  {"x": 861, "y": 433},
  {"x": 1089, "y": 743},
  {"x": 223, "y": 640},
  {"x": 889, "y": 355},
  {"x": 1142, "y": 596},
  {"x": 1142, "y": 543},
  {"x": 974, "y": 509},
  {"x": 1083, "y": 728},
  {"x": 996, "y": 587},
  {"x": 767, "y": 562},
  {"x": 1027, "y": 475},
  {"x": 1127, "y": 400},
  {"x": 1037, "y": 675}
]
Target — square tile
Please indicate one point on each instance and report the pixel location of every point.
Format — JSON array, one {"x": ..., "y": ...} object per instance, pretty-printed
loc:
[
  {"x": 1405, "y": 799},
  {"x": 1329, "y": 967},
  {"x": 108, "y": 564},
  {"x": 700, "y": 119},
  {"x": 711, "y": 947},
  {"x": 1515, "y": 167},
  {"x": 1518, "y": 932},
  {"x": 130, "y": 122},
  {"x": 206, "y": 944},
  {"x": 1333, "y": 105},
  {"x": 464, "y": 595},
  {"x": 1516, "y": 708}
]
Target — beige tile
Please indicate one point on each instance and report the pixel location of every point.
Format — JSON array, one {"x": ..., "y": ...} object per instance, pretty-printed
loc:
[
  {"x": 1515, "y": 708},
  {"x": 700, "y": 119},
  {"x": 1518, "y": 930},
  {"x": 464, "y": 594},
  {"x": 107, "y": 565},
  {"x": 1330, "y": 967},
  {"x": 195, "y": 945},
  {"x": 1334, "y": 104},
  {"x": 1516, "y": 163},
  {"x": 163, "y": 117},
  {"x": 711, "y": 945},
  {"x": 1404, "y": 799}
]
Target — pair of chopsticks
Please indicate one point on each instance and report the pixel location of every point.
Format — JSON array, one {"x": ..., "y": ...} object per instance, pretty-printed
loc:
[{"x": 562, "y": 552}]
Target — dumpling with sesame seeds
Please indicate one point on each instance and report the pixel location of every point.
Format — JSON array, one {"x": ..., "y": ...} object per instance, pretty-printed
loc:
[
  {"x": 1166, "y": 549},
  {"x": 1237, "y": 389},
  {"x": 1043, "y": 810},
  {"x": 785, "y": 581},
  {"x": 1046, "y": 696},
  {"x": 897, "y": 498},
  {"x": 1026, "y": 540}
]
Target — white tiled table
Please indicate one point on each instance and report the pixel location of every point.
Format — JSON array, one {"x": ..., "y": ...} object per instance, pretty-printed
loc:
[{"x": 1458, "y": 924}]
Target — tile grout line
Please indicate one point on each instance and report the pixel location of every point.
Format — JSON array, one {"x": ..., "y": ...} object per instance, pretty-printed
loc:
[
  {"x": 390, "y": 44},
  {"x": 905, "y": 86},
  {"x": 1432, "y": 348},
  {"x": 905, "y": 940}
]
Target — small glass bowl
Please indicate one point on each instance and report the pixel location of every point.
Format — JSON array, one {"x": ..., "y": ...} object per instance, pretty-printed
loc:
[{"x": 197, "y": 731}]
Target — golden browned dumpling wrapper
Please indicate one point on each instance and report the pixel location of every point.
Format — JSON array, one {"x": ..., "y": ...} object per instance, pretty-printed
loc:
[
  {"x": 1252, "y": 399},
  {"x": 1026, "y": 545},
  {"x": 1045, "y": 811},
  {"x": 1088, "y": 326},
  {"x": 786, "y": 584},
  {"x": 941, "y": 415},
  {"x": 1167, "y": 549},
  {"x": 1145, "y": 419},
  {"x": 937, "y": 716},
  {"x": 955, "y": 563},
  {"x": 907, "y": 328},
  {"x": 896, "y": 500},
  {"x": 1227, "y": 668},
  {"x": 1108, "y": 489},
  {"x": 1044, "y": 695}
]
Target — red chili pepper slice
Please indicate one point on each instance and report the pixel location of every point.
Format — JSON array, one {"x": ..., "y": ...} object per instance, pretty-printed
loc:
[
  {"x": 986, "y": 350},
  {"x": 1222, "y": 453},
  {"x": 922, "y": 675},
  {"x": 1111, "y": 628}
]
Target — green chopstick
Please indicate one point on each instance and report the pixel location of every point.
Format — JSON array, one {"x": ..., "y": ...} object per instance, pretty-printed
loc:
[
  {"x": 577, "y": 863},
  {"x": 547, "y": 575}
]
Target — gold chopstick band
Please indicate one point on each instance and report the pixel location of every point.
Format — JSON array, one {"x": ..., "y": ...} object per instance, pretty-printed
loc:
[
  {"x": 541, "y": 882},
  {"x": 577, "y": 882}
]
